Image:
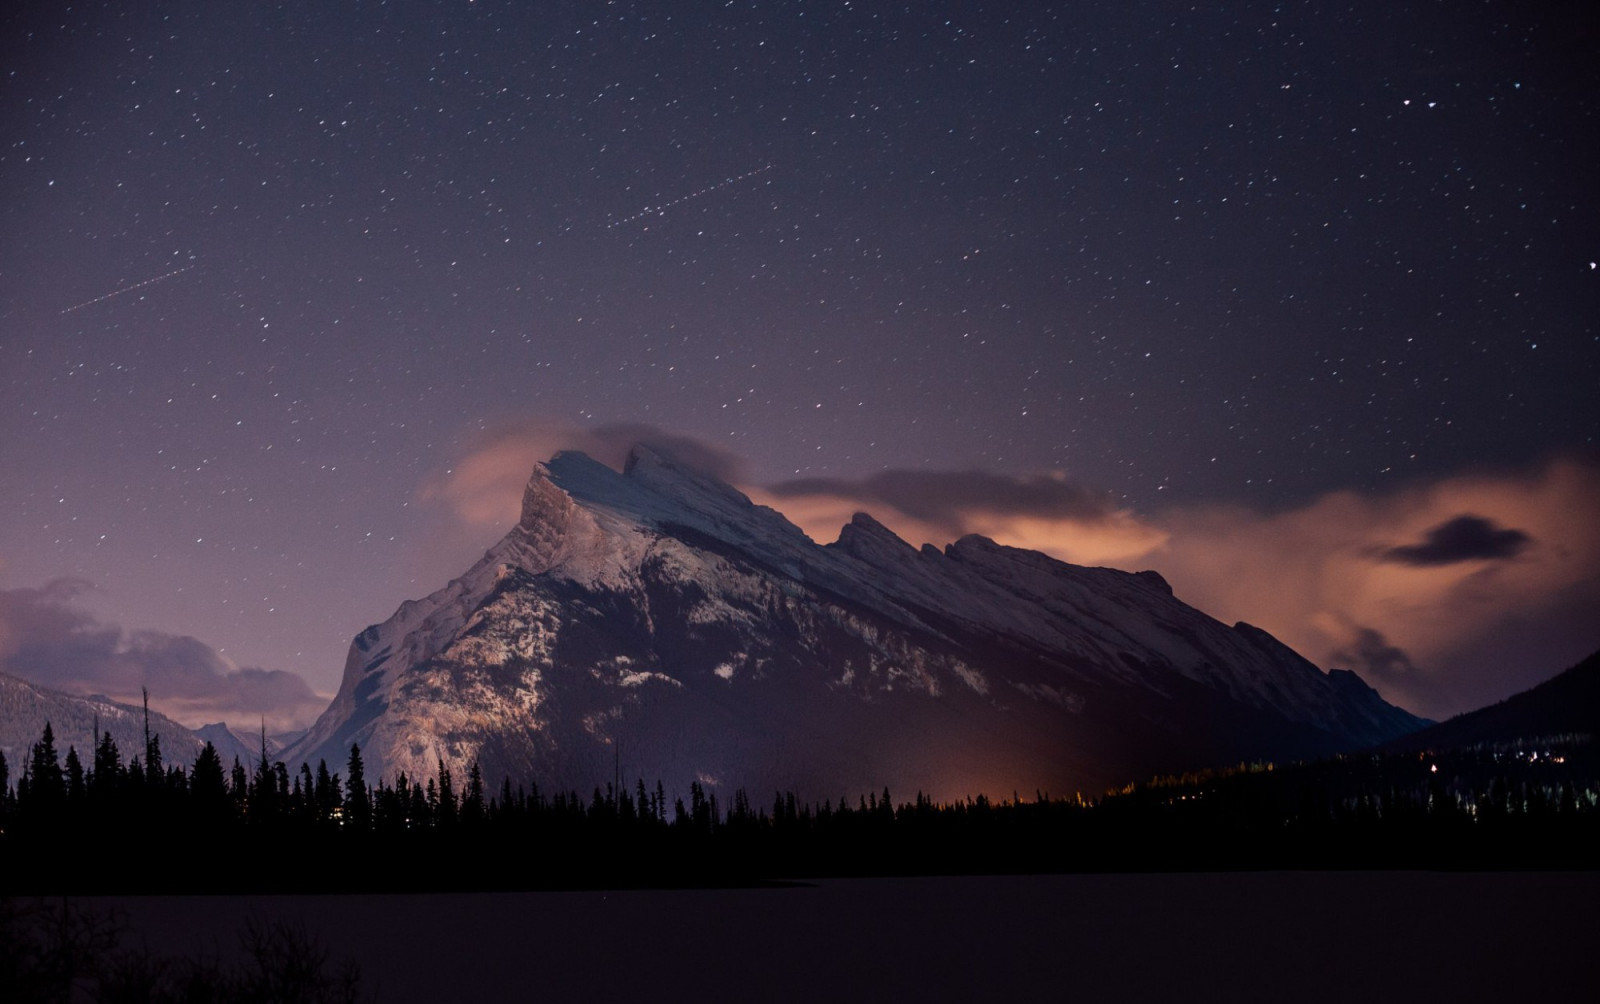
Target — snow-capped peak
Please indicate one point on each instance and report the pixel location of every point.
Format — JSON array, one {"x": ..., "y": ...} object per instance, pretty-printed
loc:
[{"x": 660, "y": 607}]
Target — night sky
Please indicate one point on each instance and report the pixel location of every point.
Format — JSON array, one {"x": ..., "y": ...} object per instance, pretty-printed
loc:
[{"x": 1295, "y": 303}]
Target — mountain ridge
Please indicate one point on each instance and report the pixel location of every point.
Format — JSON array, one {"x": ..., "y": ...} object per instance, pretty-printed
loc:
[
  {"x": 659, "y": 608},
  {"x": 1567, "y": 703},
  {"x": 25, "y": 707}
]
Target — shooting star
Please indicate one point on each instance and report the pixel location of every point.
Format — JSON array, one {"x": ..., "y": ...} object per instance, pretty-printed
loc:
[
  {"x": 658, "y": 210},
  {"x": 126, "y": 289}
]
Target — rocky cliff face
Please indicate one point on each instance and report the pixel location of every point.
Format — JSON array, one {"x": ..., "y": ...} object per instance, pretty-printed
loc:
[{"x": 658, "y": 621}]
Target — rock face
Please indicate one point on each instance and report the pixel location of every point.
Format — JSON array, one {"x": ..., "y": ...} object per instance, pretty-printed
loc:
[{"x": 657, "y": 622}]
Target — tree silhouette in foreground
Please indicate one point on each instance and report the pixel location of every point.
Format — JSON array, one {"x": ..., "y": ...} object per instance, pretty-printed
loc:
[
  {"x": 64, "y": 952},
  {"x": 113, "y": 827}
]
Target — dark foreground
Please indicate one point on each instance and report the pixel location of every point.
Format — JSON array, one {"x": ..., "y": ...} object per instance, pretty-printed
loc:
[{"x": 1262, "y": 936}]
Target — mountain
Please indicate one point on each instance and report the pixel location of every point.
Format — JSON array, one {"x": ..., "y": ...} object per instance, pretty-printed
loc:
[
  {"x": 25, "y": 707},
  {"x": 657, "y": 624},
  {"x": 1568, "y": 703},
  {"x": 244, "y": 745}
]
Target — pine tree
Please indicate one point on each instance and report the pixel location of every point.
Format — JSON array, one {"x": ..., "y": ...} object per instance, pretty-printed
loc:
[
  {"x": 625, "y": 808},
  {"x": 509, "y": 809},
  {"x": 357, "y": 802},
  {"x": 208, "y": 791},
  {"x": 46, "y": 787},
  {"x": 402, "y": 799},
  {"x": 302, "y": 799},
  {"x": 262, "y": 801},
  {"x": 472, "y": 802},
  {"x": 696, "y": 797},
  {"x": 238, "y": 786},
  {"x": 177, "y": 782},
  {"x": 76, "y": 789},
  {"x": 105, "y": 782},
  {"x": 327, "y": 797},
  {"x": 153, "y": 769},
  {"x": 387, "y": 816},
  {"x": 152, "y": 746},
  {"x": 418, "y": 807},
  {"x": 133, "y": 781},
  {"x": 448, "y": 807}
]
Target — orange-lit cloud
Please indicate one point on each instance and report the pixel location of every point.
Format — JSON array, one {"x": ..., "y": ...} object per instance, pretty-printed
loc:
[
  {"x": 1445, "y": 596},
  {"x": 1439, "y": 618},
  {"x": 1046, "y": 512}
]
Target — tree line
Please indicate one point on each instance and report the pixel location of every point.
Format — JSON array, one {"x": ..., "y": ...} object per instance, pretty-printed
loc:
[{"x": 1515, "y": 805}]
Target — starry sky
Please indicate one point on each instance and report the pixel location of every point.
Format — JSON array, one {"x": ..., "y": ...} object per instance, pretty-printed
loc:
[{"x": 1296, "y": 303}]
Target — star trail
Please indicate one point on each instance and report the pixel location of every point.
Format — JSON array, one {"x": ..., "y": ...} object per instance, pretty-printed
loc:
[
  {"x": 663, "y": 207},
  {"x": 126, "y": 289},
  {"x": 1298, "y": 285}
]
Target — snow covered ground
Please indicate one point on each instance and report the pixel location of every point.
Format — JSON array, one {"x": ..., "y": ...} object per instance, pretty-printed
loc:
[{"x": 1270, "y": 936}]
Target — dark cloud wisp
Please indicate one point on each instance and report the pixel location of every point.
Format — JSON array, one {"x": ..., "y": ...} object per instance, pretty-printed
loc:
[
  {"x": 1377, "y": 659},
  {"x": 1465, "y": 538},
  {"x": 612, "y": 443},
  {"x": 1387, "y": 666}
]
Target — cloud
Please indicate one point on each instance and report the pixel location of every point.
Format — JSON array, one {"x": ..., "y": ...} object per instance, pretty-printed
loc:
[
  {"x": 1465, "y": 538},
  {"x": 1373, "y": 653},
  {"x": 484, "y": 490},
  {"x": 947, "y": 498},
  {"x": 1472, "y": 627},
  {"x": 46, "y": 638},
  {"x": 1412, "y": 588},
  {"x": 472, "y": 503},
  {"x": 1044, "y": 512}
]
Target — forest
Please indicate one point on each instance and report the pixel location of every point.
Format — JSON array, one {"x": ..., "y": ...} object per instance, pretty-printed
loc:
[{"x": 142, "y": 825}]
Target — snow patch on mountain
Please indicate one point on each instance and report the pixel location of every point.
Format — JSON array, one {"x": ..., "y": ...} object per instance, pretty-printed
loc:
[{"x": 660, "y": 608}]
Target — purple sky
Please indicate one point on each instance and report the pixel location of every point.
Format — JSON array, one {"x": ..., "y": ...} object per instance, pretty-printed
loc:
[{"x": 1302, "y": 303}]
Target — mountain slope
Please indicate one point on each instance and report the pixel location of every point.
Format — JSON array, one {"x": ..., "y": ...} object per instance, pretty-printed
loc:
[
  {"x": 1566, "y": 703},
  {"x": 26, "y": 707},
  {"x": 234, "y": 743},
  {"x": 657, "y": 621}
]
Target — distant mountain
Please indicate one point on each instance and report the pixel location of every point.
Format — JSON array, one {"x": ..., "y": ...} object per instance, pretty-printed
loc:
[
  {"x": 231, "y": 743},
  {"x": 656, "y": 623},
  {"x": 1566, "y": 703},
  {"x": 25, "y": 707}
]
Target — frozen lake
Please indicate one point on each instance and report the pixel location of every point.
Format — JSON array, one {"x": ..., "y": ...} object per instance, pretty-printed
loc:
[{"x": 1313, "y": 936}]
